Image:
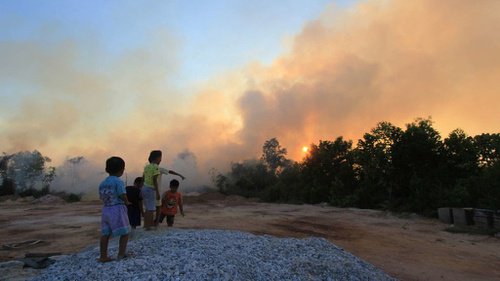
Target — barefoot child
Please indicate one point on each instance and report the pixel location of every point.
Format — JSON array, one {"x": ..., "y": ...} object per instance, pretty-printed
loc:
[
  {"x": 114, "y": 219},
  {"x": 150, "y": 190},
  {"x": 170, "y": 202},
  {"x": 163, "y": 171}
]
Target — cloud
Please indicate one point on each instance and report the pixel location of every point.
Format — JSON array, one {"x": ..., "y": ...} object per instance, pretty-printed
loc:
[{"x": 380, "y": 60}]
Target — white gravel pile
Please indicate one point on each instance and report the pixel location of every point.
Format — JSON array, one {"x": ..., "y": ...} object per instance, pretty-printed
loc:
[{"x": 178, "y": 254}]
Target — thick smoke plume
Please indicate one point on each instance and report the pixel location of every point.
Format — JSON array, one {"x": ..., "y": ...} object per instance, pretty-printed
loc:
[{"x": 344, "y": 72}]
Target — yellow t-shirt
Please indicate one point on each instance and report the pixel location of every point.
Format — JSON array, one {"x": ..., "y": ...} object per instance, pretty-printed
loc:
[{"x": 150, "y": 170}]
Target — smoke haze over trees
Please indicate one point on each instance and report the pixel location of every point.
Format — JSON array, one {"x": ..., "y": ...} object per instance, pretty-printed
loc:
[
  {"x": 24, "y": 171},
  {"x": 65, "y": 93},
  {"x": 339, "y": 73},
  {"x": 408, "y": 170}
]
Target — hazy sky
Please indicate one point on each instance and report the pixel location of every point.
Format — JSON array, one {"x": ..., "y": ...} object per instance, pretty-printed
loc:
[{"x": 210, "y": 81}]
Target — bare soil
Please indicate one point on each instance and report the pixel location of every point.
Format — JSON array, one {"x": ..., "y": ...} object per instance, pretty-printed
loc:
[{"x": 405, "y": 247}]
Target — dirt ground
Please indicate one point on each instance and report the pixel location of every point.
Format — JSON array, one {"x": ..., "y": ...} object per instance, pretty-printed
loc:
[{"x": 407, "y": 248}]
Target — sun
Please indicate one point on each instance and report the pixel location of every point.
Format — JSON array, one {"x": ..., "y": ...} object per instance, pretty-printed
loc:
[{"x": 305, "y": 149}]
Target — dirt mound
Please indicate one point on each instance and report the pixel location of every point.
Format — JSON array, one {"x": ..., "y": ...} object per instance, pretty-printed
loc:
[
  {"x": 406, "y": 247},
  {"x": 204, "y": 197},
  {"x": 49, "y": 199},
  {"x": 13, "y": 200},
  {"x": 217, "y": 197}
]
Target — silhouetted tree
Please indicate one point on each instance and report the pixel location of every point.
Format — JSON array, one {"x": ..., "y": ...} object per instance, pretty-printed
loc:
[
  {"x": 461, "y": 155},
  {"x": 7, "y": 187},
  {"x": 488, "y": 148},
  {"x": 290, "y": 186},
  {"x": 417, "y": 160},
  {"x": 249, "y": 178},
  {"x": 274, "y": 156},
  {"x": 374, "y": 165},
  {"x": 27, "y": 170},
  {"x": 403, "y": 170},
  {"x": 483, "y": 190},
  {"x": 328, "y": 170}
]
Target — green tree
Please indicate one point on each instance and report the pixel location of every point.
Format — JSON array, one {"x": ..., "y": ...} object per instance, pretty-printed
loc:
[
  {"x": 460, "y": 162},
  {"x": 249, "y": 178},
  {"x": 461, "y": 154},
  {"x": 219, "y": 180},
  {"x": 417, "y": 159},
  {"x": 29, "y": 170},
  {"x": 489, "y": 185},
  {"x": 483, "y": 190},
  {"x": 7, "y": 187},
  {"x": 274, "y": 156},
  {"x": 488, "y": 149},
  {"x": 329, "y": 173},
  {"x": 290, "y": 186},
  {"x": 374, "y": 165}
]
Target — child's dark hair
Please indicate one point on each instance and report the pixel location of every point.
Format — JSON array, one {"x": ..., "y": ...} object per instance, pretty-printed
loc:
[
  {"x": 153, "y": 155},
  {"x": 114, "y": 165},
  {"x": 174, "y": 183},
  {"x": 139, "y": 180}
]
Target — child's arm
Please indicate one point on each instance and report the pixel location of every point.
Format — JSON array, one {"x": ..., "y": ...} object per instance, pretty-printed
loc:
[
  {"x": 181, "y": 208},
  {"x": 125, "y": 198},
  {"x": 167, "y": 171},
  {"x": 164, "y": 199},
  {"x": 141, "y": 209},
  {"x": 177, "y": 174}
]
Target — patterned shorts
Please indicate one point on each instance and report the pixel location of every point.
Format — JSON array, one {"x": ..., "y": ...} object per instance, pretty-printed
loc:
[{"x": 114, "y": 220}]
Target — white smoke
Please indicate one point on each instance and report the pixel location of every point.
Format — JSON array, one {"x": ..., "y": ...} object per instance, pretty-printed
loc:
[
  {"x": 79, "y": 176},
  {"x": 186, "y": 164}
]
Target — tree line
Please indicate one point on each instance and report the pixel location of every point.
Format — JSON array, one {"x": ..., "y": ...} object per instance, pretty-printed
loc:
[{"x": 390, "y": 168}]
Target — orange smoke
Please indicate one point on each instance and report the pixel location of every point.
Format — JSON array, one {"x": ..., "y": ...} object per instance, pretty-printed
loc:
[{"x": 344, "y": 72}]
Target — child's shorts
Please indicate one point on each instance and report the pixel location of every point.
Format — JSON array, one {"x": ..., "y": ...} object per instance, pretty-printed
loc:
[
  {"x": 114, "y": 220},
  {"x": 149, "y": 198}
]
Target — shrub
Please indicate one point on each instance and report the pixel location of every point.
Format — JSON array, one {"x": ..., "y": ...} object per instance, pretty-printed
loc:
[
  {"x": 36, "y": 193},
  {"x": 72, "y": 197},
  {"x": 8, "y": 187}
]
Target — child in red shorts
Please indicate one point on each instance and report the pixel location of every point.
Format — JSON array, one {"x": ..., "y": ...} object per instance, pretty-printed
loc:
[{"x": 171, "y": 201}]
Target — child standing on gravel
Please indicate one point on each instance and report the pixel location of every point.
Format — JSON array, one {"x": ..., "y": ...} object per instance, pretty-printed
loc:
[
  {"x": 171, "y": 201},
  {"x": 114, "y": 219},
  {"x": 134, "y": 196},
  {"x": 150, "y": 190}
]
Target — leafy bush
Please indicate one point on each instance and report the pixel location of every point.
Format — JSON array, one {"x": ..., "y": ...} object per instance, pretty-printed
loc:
[
  {"x": 37, "y": 193},
  {"x": 72, "y": 197},
  {"x": 7, "y": 187}
]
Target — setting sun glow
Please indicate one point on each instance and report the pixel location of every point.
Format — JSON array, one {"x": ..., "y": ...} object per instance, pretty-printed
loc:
[{"x": 305, "y": 149}]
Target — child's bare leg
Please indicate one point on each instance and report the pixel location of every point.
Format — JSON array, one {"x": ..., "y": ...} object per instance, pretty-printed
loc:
[
  {"x": 157, "y": 215},
  {"x": 122, "y": 247},
  {"x": 104, "y": 248},
  {"x": 148, "y": 219},
  {"x": 170, "y": 221}
]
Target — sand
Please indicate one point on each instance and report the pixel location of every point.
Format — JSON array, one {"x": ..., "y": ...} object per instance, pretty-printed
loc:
[{"x": 405, "y": 247}]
